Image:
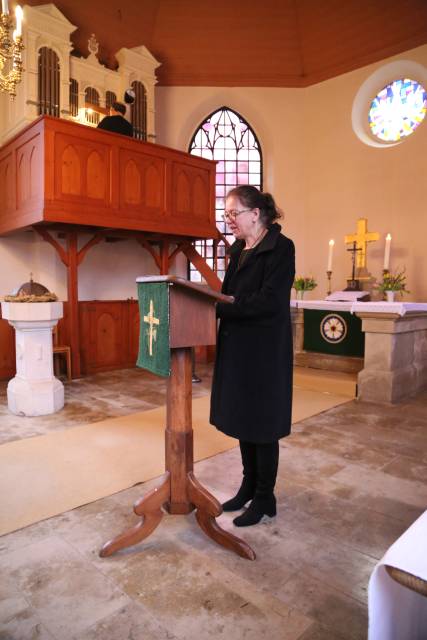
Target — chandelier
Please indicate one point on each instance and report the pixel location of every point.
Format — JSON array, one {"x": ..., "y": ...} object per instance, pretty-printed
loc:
[{"x": 10, "y": 50}]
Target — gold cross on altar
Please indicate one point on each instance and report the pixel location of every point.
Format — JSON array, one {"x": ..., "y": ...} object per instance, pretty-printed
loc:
[
  {"x": 152, "y": 332},
  {"x": 361, "y": 238}
]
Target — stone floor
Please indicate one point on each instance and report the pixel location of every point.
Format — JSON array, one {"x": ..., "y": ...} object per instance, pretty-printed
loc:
[
  {"x": 351, "y": 480},
  {"x": 93, "y": 398}
]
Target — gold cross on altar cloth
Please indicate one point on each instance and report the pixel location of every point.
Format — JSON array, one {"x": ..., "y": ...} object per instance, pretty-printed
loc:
[
  {"x": 152, "y": 332},
  {"x": 361, "y": 238}
]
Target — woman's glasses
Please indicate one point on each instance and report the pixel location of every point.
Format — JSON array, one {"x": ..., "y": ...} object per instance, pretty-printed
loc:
[{"x": 233, "y": 213}]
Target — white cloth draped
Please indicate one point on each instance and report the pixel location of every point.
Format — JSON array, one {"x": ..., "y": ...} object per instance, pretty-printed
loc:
[
  {"x": 398, "y": 308},
  {"x": 396, "y": 612}
]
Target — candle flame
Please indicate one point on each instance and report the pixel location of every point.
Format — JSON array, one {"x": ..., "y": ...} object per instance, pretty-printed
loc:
[
  {"x": 388, "y": 236},
  {"x": 331, "y": 243}
]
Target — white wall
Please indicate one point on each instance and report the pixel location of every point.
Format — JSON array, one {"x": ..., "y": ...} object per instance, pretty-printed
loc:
[
  {"x": 108, "y": 271},
  {"x": 347, "y": 179},
  {"x": 320, "y": 172}
]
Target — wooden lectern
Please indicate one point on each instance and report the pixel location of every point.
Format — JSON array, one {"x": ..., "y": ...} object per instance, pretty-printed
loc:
[{"x": 192, "y": 322}]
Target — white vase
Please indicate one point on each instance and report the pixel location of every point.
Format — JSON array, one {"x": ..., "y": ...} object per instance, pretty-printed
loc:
[
  {"x": 300, "y": 295},
  {"x": 390, "y": 295}
]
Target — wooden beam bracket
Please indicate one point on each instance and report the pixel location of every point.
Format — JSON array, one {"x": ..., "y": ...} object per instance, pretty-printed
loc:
[
  {"x": 63, "y": 254},
  {"x": 201, "y": 265},
  {"x": 146, "y": 245},
  {"x": 97, "y": 238},
  {"x": 180, "y": 248}
]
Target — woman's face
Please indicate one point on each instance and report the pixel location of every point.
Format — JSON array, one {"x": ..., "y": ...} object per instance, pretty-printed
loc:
[{"x": 243, "y": 225}]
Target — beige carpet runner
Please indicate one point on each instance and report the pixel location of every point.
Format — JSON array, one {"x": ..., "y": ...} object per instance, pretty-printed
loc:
[{"x": 46, "y": 475}]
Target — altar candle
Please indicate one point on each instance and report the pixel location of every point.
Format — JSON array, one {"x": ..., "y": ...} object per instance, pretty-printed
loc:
[
  {"x": 4, "y": 6},
  {"x": 18, "y": 15},
  {"x": 387, "y": 252},
  {"x": 331, "y": 249}
]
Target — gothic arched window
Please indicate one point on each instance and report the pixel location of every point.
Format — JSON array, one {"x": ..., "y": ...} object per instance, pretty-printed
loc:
[
  {"x": 227, "y": 137},
  {"x": 138, "y": 111},
  {"x": 48, "y": 82},
  {"x": 91, "y": 97}
]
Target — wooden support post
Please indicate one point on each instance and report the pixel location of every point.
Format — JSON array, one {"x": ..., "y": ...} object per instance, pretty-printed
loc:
[
  {"x": 164, "y": 257},
  {"x": 73, "y": 302},
  {"x": 201, "y": 265},
  {"x": 179, "y": 432},
  {"x": 72, "y": 258}
]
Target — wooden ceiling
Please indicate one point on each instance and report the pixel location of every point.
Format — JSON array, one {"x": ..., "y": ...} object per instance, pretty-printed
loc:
[{"x": 276, "y": 43}]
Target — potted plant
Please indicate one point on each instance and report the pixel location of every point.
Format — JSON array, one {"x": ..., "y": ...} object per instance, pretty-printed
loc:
[
  {"x": 393, "y": 282},
  {"x": 303, "y": 284}
]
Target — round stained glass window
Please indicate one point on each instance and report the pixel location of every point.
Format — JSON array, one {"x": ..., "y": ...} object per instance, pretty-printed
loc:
[{"x": 397, "y": 110}]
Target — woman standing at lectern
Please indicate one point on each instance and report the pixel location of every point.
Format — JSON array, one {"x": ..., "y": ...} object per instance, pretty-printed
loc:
[{"x": 252, "y": 384}]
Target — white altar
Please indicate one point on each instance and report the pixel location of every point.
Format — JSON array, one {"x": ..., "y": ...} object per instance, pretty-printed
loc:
[{"x": 395, "y": 359}]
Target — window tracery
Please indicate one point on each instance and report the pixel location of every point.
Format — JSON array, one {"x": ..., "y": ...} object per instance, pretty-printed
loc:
[{"x": 225, "y": 136}]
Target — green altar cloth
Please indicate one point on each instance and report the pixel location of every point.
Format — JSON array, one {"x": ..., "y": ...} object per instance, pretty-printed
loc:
[
  {"x": 154, "y": 350},
  {"x": 333, "y": 332}
]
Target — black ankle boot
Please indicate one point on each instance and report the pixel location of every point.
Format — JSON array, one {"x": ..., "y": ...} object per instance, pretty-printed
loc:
[
  {"x": 260, "y": 507},
  {"x": 264, "y": 502},
  {"x": 247, "y": 488},
  {"x": 244, "y": 494}
]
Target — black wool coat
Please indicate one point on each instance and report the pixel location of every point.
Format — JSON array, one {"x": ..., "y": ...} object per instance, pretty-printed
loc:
[{"x": 252, "y": 385}]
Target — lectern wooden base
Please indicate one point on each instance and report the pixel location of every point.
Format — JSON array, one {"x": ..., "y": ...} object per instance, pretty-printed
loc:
[{"x": 179, "y": 491}]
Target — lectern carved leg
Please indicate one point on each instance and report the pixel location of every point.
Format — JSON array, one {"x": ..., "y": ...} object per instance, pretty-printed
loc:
[
  {"x": 150, "y": 506},
  {"x": 208, "y": 508},
  {"x": 179, "y": 491}
]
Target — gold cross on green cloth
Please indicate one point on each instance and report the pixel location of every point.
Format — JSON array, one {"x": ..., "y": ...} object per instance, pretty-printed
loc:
[
  {"x": 151, "y": 331},
  {"x": 154, "y": 350}
]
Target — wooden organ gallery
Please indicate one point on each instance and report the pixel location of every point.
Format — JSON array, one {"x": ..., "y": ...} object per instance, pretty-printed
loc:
[{"x": 64, "y": 179}]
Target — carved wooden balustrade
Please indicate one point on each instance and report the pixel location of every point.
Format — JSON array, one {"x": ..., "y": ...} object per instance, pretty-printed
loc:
[{"x": 57, "y": 171}]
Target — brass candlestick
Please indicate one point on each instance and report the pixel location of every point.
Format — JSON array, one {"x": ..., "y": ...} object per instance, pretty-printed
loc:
[{"x": 329, "y": 276}]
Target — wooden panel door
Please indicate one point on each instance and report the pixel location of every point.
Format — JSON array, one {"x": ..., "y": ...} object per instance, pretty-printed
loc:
[{"x": 103, "y": 335}]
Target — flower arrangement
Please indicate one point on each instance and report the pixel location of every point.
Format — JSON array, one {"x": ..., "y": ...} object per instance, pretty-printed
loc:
[
  {"x": 394, "y": 282},
  {"x": 303, "y": 283}
]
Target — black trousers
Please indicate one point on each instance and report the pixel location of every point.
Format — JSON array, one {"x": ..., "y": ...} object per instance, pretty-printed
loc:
[{"x": 260, "y": 463}]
